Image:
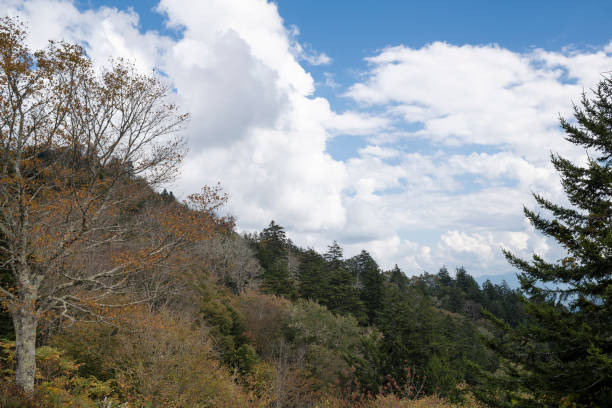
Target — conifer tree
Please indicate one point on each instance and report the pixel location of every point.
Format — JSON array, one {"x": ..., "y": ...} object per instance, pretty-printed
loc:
[
  {"x": 444, "y": 277},
  {"x": 311, "y": 276},
  {"x": 342, "y": 295},
  {"x": 370, "y": 283},
  {"x": 272, "y": 252},
  {"x": 565, "y": 357},
  {"x": 399, "y": 279},
  {"x": 334, "y": 254}
]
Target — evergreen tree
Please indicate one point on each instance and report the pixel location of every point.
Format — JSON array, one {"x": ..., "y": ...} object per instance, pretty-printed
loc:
[
  {"x": 417, "y": 336},
  {"x": 399, "y": 279},
  {"x": 272, "y": 252},
  {"x": 313, "y": 283},
  {"x": 341, "y": 296},
  {"x": 370, "y": 283},
  {"x": 273, "y": 241},
  {"x": 444, "y": 277},
  {"x": 468, "y": 285},
  {"x": 334, "y": 254},
  {"x": 565, "y": 358}
]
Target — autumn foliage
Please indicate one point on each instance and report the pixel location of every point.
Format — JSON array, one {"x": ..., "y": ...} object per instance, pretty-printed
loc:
[{"x": 120, "y": 295}]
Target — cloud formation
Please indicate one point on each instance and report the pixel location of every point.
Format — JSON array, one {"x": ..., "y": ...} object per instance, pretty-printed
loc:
[
  {"x": 454, "y": 137},
  {"x": 481, "y": 122}
]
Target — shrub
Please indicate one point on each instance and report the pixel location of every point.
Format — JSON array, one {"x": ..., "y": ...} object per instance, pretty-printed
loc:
[
  {"x": 158, "y": 359},
  {"x": 58, "y": 383}
]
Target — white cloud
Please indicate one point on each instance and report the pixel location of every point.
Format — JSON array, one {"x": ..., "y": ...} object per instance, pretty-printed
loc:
[
  {"x": 306, "y": 53},
  {"x": 105, "y": 33},
  {"x": 457, "y": 136},
  {"x": 255, "y": 126},
  {"x": 380, "y": 152},
  {"x": 355, "y": 123},
  {"x": 517, "y": 240},
  {"x": 475, "y": 244},
  {"x": 329, "y": 80},
  {"x": 497, "y": 108},
  {"x": 482, "y": 95}
]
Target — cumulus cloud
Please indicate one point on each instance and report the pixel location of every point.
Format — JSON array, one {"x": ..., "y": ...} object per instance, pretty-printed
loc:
[
  {"x": 454, "y": 137},
  {"x": 105, "y": 32},
  {"x": 484, "y": 120},
  {"x": 253, "y": 99},
  {"x": 484, "y": 95},
  {"x": 305, "y": 52},
  {"x": 355, "y": 123},
  {"x": 255, "y": 125}
]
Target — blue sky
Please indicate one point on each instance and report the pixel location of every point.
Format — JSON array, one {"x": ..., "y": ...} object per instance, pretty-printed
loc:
[
  {"x": 415, "y": 130},
  {"x": 352, "y": 30}
]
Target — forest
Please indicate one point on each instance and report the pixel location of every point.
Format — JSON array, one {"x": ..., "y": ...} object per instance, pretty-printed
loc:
[{"x": 116, "y": 294}]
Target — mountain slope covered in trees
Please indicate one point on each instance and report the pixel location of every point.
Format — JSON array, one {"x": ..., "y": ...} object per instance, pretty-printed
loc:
[{"x": 115, "y": 295}]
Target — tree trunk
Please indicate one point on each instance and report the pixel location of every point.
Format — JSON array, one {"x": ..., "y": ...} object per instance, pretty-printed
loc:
[{"x": 25, "y": 323}]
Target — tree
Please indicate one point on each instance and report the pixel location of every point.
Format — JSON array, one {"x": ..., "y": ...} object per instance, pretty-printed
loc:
[
  {"x": 74, "y": 147},
  {"x": 231, "y": 261},
  {"x": 273, "y": 253},
  {"x": 444, "y": 277},
  {"x": 399, "y": 279},
  {"x": 370, "y": 283},
  {"x": 467, "y": 284},
  {"x": 339, "y": 293},
  {"x": 311, "y": 276},
  {"x": 334, "y": 254},
  {"x": 565, "y": 357}
]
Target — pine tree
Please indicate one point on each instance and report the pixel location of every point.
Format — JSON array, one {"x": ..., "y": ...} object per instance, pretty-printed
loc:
[
  {"x": 334, "y": 254},
  {"x": 272, "y": 252},
  {"x": 341, "y": 294},
  {"x": 468, "y": 285},
  {"x": 444, "y": 277},
  {"x": 370, "y": 283},
  {"x": 565, "y": 357},
  {"x": 311, "y": 276},
  {"x": 399, "y": 279}
]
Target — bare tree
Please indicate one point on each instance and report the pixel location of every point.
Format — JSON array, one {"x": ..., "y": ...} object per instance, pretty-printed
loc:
[
  {"x": 74, "y": 145},
  {"x": 231, "y": 261}
]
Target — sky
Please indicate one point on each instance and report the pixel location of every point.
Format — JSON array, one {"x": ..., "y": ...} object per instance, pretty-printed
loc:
[{"x": 416, "y": 130}]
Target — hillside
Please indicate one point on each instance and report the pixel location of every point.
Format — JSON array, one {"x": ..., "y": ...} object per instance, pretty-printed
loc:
[
  {"x": 115, "y": 294},
  {"x": 238, "y": 325}
]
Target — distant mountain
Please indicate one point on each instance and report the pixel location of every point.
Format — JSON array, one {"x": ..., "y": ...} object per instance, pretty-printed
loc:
[{"x": 510, "y": 279}]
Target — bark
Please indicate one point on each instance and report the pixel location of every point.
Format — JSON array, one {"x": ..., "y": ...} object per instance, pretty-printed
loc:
[{"x": 25, "y": 323}]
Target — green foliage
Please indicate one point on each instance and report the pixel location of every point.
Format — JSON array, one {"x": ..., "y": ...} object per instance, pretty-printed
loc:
[
  {"x": 158, "y": 359},
  {"x": 416, "y": 335},
  {"x": 430, "y": 323},
  {"x": 221, "y": 315},
  {"x": 324, "y": 337},
  {"x": 397, "y": 278},
  {"x": 272, "y": 250},
  {"x": 462, "y": 295},
  {"x": 313, "y": 280},
  {"x": 342, "y": 294},
  {"x": 504, "y": 303},
  {"x": 366, "y": 374},
  {"x": 58, "y": 383},
  {"x": 244, "y": 359},
  {"x": 370, "y": 283},
  {"x": 563, "y": 357}
]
